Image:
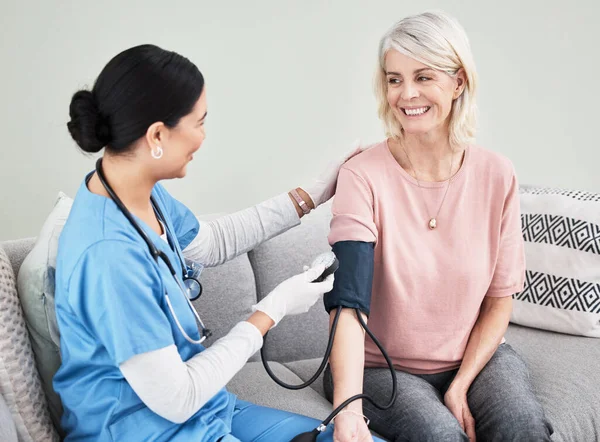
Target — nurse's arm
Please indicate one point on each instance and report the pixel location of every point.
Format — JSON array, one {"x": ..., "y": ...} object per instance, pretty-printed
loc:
[
  {"x": 176, "y": 390},
  {"x": 226, "y": 237}
]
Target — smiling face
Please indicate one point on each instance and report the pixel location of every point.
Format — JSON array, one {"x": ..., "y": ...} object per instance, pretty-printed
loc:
[
  {"x": 179, "y": 143},
  {"x": 420, "y": 97}
]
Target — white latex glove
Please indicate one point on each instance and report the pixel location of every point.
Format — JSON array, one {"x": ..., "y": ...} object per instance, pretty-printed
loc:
[
  {"x": 295, "y": 295},
  {"x": 323, "y": 187}
]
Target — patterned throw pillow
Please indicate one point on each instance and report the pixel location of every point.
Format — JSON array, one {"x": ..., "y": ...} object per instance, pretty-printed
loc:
[
  {"x": 20, "y": 384},
  {"x": 561, "y": 229}
]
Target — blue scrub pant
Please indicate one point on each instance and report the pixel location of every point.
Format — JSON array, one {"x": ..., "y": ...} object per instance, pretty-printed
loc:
[{"x": 253, "y": 423}]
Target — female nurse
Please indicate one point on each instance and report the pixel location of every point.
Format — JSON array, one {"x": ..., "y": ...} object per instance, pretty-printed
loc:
[{"x": 133, "y": 366}]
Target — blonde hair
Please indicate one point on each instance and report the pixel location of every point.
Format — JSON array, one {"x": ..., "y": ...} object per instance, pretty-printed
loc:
[{"x": 440, "y": 42}]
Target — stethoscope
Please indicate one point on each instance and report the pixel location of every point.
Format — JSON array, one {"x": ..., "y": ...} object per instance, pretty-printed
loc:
[{"x": 191, "y": 287}]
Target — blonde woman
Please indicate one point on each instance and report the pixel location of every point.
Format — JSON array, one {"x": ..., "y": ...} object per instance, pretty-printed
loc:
[{"x": 435, "y": 220}]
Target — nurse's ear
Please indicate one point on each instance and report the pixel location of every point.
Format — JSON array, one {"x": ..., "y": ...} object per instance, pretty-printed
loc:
[{"x": 155, "y": 137}]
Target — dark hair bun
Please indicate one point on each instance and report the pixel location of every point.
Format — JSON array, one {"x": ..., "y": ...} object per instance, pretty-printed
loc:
[
  {"x": 87, "y": 127},
  {"x": 138, "y": 87}
]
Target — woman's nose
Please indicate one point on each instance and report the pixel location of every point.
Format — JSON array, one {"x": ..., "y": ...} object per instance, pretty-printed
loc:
[{"x": 409, "y": 91}]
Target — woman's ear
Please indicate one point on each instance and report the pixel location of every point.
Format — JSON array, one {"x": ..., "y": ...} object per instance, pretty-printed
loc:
[
  {"x": 155, "y": 135},
  {"x": 461, "y": 83}
]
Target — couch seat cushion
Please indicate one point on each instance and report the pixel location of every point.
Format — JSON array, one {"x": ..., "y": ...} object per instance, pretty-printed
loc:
[
  {"x": 253, "y": 384},
  {"x": 565, "y": 372}
]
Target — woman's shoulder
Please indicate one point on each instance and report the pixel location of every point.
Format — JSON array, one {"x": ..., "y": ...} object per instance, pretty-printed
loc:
[
  {"x": 490, "y": 167},
  {"x": 491, "y": 162},
  {"x": 368, "y": 160}
]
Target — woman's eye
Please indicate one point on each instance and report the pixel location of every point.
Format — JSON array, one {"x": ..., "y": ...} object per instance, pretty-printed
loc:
[
  {"x": 424, "y": 78},
  {"x": 393, "y": 81}
]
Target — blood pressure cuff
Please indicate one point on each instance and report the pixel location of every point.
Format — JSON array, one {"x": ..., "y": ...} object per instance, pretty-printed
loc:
[{"x": 354, "y": 277}]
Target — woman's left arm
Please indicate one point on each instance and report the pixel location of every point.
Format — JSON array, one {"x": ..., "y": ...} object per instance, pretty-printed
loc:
[
  {"x": 226, "y": 237},
  {"x": 495, "y": 310},
  {"x": 485, "y": 338}
]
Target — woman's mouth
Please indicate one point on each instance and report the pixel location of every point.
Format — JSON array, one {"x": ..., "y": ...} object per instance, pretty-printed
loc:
[{"x": 415, "y": 111}]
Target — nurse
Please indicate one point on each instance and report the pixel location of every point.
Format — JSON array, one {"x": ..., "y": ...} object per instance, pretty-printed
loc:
[{"x": 133, "y": 368}]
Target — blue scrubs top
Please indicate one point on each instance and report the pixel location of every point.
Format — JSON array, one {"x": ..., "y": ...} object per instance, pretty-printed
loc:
[{"x": 110, "y": 306}]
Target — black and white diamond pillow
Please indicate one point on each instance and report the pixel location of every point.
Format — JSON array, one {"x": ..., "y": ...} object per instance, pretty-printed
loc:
[{"x": 561, "y": 230}]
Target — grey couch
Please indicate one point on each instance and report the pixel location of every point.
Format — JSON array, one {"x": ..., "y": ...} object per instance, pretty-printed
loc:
[{"x": 565, "y": 369}]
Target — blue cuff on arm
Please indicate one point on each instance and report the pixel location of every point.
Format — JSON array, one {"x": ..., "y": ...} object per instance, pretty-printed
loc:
[{"x": 354, "y": 278}]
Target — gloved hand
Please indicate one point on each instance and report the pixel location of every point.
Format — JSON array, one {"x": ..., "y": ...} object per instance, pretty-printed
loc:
[
  {"x": 295, "y": 295},
  {"x": 323, "y": 187}
]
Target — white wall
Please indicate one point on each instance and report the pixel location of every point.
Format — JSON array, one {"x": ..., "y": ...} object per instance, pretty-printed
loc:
[{"x": 289, "y": 87}]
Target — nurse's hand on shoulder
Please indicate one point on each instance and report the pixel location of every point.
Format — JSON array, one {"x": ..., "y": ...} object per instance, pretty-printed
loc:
[
  {"x": 323, "y": 187},
  {"x": 295, "y": 295}
]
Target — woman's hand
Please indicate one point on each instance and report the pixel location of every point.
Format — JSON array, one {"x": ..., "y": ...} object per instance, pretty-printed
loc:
[
  {"x": 456, "y": 401},
  {"x": 323, "y": 187},
  {"x": 350, "y": 427}
]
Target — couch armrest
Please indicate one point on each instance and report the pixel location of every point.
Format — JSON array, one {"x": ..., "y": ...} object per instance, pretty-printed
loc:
[{"x": 8, "y": 432}]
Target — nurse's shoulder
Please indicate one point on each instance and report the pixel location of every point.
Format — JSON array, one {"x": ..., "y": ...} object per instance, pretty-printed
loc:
[{"x": 95, "y": 227}]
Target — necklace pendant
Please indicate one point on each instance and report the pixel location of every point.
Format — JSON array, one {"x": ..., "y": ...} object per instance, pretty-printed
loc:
[{"x": 432, "y": 223}]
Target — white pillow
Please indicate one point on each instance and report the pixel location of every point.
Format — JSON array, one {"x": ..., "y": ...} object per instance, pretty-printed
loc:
[
  {"x": 35, "y": 284},
  {"x": 561, "y": 229}
]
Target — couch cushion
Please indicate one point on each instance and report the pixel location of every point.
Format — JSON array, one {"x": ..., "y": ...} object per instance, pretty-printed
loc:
[
  {"x": 17, "y": 250},
  {"x": 305, "y": 369},
  {"x": 303, "y": 336},
  {"x": 36, "y": 292},
  {"x": 8, "y": 432},
  {"x": 19, "y": 380},
  {"x": 253, "y": 384},
  {"x": 566, "y": 377}
]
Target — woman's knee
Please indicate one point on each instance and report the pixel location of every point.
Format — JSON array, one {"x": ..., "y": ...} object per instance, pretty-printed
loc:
[
  {"x": 527, "y": 424},
  {"x": 430, "y": 428},
  {"x": 537, "y": 431}
]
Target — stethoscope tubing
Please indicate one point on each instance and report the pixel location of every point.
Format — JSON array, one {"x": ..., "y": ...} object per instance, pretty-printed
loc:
[{"x": 156, "y": 254}]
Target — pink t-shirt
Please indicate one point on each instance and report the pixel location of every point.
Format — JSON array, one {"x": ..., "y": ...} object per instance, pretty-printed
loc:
[{"x": 428, "y": 285}]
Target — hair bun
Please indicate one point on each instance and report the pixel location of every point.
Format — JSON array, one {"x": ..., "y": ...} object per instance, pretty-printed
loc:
[{"x": 87, "y": 127}]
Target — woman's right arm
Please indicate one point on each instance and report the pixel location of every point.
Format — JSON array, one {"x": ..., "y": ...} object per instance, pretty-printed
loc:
[
  {"x": 347, "y": 366},
  {"x": 353, "y": 235}
]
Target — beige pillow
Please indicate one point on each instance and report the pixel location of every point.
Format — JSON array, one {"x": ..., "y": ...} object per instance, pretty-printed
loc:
[{"x": 19, "y": 380}]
